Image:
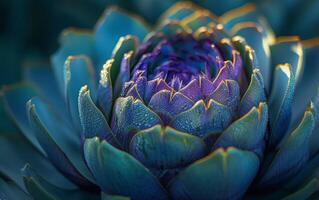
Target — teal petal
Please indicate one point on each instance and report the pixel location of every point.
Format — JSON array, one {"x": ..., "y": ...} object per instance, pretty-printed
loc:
[
  {"x": 113, "y": 197},
  {"x": 166, "y": 148},
  {"x": 15, "y": 97},
  {"x": 179, "y": 11},
  {"x": 60, "y": 142},
  {"x": 92, "y": 120},
  {"x": 7, "y": 124},
  {"x": 171, "y": 28},
  {"x": 224, "y": 174},
  {"x": 124, "y": 72},
  {"x": 78, "y": 71},
  {"x": 105, "y": 89},
  {"x": 248, "y": 132},
  {"x": 73, "y": 43},
  {"x": 245, "y": 15},
  {"x": 309, "y": 191},
  {"x": 124, "y": 45},
  {"x": 8, "y": 190},
  {"x": 293, "y": 153},
  {"x": 254, "y": 37},
  {"x": 26, "y": 153},
  {"x": 113, "y": 25},
  {"x": 280, "y": 102},
  {"x": 219, "y": 7},
  {"x": 248, "y": 55},
  {"x": 119, "y": 173},
  {"x": 288, "y": 50},
  {"x": 308, "y": 83},
  {"x": 203, "y": 119},
  {"x": 200, "y": 18},
  {"x": 40, "y": 189},
  {"x": 130, "y": 116},
  {"x": 254, "y": 94}
]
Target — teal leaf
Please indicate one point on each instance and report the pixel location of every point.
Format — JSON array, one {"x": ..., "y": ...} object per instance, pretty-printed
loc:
[
  {"x": 78, "y": 71},
  {"x": 105, "y": 90},
  {"x": 40, "y": 189},
  {"x": 113, "y": 25},
  {"x": 92, "y": 120},
  {"x": 280, "y": 102},
  {"x": 254, "y": 37},
  {"x": 60, "y": 142},
  {"x": 288, "y": 50},
  {"x": 9, "y": 190},
  {"x": 113, "y": 197},
  {"x": 179, "y": 11},
  {"x": 293, "y": 153},
  {"x": 15, "y": 97},
  {"x": 248, "y": 132},
  {"x": 203, "y": 119},
  {"x": 118, "y": 173},
  {"x": 130, "y": 116},
  {"x": 166, "y": 148},
  {"x": 224, "y": 174},
  {"x": 73, "y": 43},
  {"x": 125, "y": 45},
  {"x": 20, "y": 151},
  {"x": 254, "y": 94}
]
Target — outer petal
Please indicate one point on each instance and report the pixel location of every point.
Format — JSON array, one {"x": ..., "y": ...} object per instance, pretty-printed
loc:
[
  {"x": 254, "y": 37},
  {"x": 280, "y": 102},
  {"x": 203, "y": 119},
  {"x": 119, "y": 173},
  {"x": 179, "y": 11},
  {"x": 60, "y": 142},
  {"x": 15, "y": 97},
  {"x": 131, "y": 116},
  {"x": 288, "y": 50},
  {"x": 40, "y": 189},
  {"x": 292, "y": 155},
  {"x": 73, "y": 43},
  {"x": 164, "y": 148},
  {"x": 248, "y": 132},
  {"x": 92, "y": 120},
  {"x": 113, "y": 25},
  {"x": 254, "y": 94},
  {"x": 213, "y": 177},
  {"x": 8, "y": 190},
  {"x": 78, "y": 72}
]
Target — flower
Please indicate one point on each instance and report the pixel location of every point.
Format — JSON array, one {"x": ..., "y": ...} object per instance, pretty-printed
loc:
[{"x": 204, "y": 107}]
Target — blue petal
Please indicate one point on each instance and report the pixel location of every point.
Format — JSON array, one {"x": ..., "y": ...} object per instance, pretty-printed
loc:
[
  {"x": 20, "y": 151},
  {"x": 105, "y": 89},
  {"x": 248, "y": 132},
  {"x": 292, "y": 155},
  {"x": 15, "y": 97},
  {"x": 113, "y": 25},
  {"x": 224, "y": 174},
  {"x": 40, "y": 189},
  {"x": 92, "y": 120},
  {"x": 203, "y": 119},
  {"x": 166, "y": 148},
  {"x": 8, "y": 190},
  {"x": 254, "y": 37},
  {"x": 130, "y": 116},
  {"x": 288, "y": 50},
  {"x": 119, "y": 173},
  {"x": 124, "y": 73},
  {"x": 280, "y": 102},
  {"x": 168, "y": 104},
  {"x": 78, "y": 72},
  {"x": 60, "y": 142},
  {"x": 179, "y": 11},
  {"x": 73, "y": 43},
  {"x": 254, "y": 94}
]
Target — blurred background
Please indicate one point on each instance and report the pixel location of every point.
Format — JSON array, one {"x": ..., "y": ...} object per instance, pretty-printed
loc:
[{"x": 29, "y": 29}]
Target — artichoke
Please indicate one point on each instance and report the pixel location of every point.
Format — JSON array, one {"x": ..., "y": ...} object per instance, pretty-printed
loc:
[{"x": 199, "y": 107}]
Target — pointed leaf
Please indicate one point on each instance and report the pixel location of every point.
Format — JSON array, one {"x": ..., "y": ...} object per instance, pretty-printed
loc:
[{"x": 119, "y": 173}]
